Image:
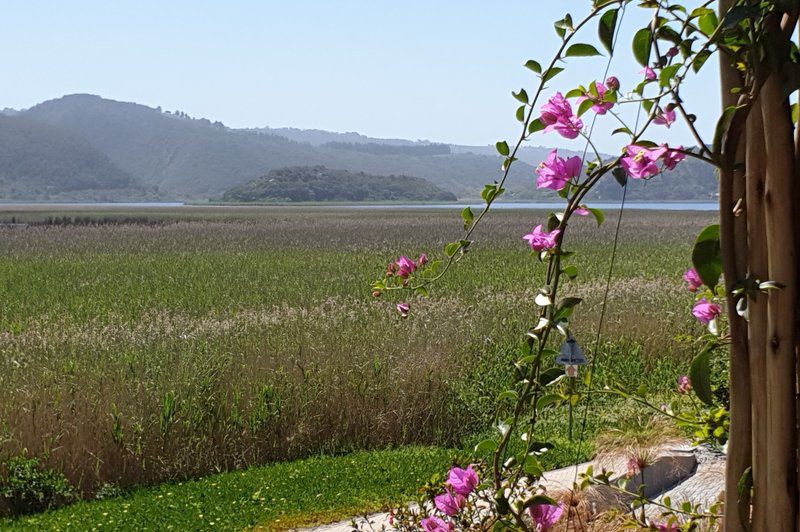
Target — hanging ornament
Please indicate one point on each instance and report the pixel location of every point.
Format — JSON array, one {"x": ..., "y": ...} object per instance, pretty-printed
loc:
[{"x": 570, "y": 355}]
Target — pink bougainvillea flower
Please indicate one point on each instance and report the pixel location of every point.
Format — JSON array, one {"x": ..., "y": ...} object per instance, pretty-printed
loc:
[
  {"x": 600, "y": 107},
  {"x": 422, "y": 260},
  {"x": 581, "y": 211},
  {"x": 463, "y": 481},
  {"x": 705, "y": 311},
  {"x": 612, "y": 83},
  {"x": 633, "y": 466},
  {"x": 673, "y": 157},
  {"x": 672, "y": 52},
  {"x": 557, "y": 116},
  {"x": 405, "y": 267},
  {"x": 403, "y": 309},
  {"x": 436, "y": 524},
  {"x": 649, "y": 73},
  {"x": 640, "y": 162},
  {"x": 449, "y": 503},
  {"x": 540, "y": 240},
  {"x": 692, "y": 279},
  {"x": 544, "y": 516},
  {"x": 555, "y": 171},
  {"x": 664, "y": 117},
  {"x": 684, "y": 384}
]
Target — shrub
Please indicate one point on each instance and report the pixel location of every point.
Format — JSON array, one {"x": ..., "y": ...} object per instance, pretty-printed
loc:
[{"x": 29, "y": 487}]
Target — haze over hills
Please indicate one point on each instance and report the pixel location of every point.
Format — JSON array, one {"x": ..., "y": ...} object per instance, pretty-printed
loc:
[{"x": 83, "y": 146}]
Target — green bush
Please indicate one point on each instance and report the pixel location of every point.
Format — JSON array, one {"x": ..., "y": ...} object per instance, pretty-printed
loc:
[{"x": 29, "y": 487}]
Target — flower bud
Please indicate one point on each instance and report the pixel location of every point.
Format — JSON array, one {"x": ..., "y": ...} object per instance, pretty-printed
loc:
[{"x": 612, "y": 83}]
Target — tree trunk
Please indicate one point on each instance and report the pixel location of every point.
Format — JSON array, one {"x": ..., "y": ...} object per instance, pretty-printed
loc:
[
  {"x": 757, "y": 309},
  {"x": 780, "y": 347},
  {"x": 733, "y": 240}
]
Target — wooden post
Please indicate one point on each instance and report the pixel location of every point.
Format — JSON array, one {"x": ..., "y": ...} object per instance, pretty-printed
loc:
[
  {"x": 733, "y": 240},
  {"x": 757, "y": 309},
  {"x": 781, "y": 308}
]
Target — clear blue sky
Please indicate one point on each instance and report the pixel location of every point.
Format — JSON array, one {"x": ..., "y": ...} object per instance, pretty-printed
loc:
[{"x": 429, "y": 69}]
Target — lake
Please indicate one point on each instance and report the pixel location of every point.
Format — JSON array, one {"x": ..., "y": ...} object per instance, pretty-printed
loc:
[{"x": 647, "y": 206}]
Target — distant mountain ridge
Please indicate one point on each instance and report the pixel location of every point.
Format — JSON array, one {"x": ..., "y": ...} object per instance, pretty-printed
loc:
[{"x": 139, "y": 151}]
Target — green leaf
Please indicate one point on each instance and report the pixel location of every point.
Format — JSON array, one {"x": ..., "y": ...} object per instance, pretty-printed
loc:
[
  {"x": 700, "y": 375},
  {"x": 708, "y": 23},
  {"x": 622, "y": 130},
  {"x": 667, "y": 73},
  {"x": 620, "y": 176},
  {"x": 539, "y": 499},
  {"x": 571, "y": 271},
  {"x": 574, "y": 93},
  {"x": 721, "y": 128},
  {"x": 535, "y": 125},
  {"x": 520, "y": 114},
  {"x": 550, "y": 376},
  {"x": 641, "y": 46},
  {"x": 566, "y": 307},
  {"x": 549, "y": 399},
  {"x": 707, "y": 256},
  {"x": 700, "y": 59},
  {"x": 551, "y": 73},
  {"x": 606, "y": 29},
  {"x": 584, "y": 106},
  {"x": 508, "y": 394},
  {"x": 582, "y": 50},
  {"x": 533, "y": 65},
  {"x": 451, "y": 248},
  {"x": 521, "y": 96},
  {"x": 502, "y": 148},
  {"x": 598, "y": 215},
  {"x": 467, "y": 216},
  {"x": 486, "y": 447}
]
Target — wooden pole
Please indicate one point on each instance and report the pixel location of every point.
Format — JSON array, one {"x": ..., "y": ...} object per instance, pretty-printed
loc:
[
  {"x": 780, "y": 348},
  {"x": 757, "y": 310},
  {"x": 733, "y": 240}
]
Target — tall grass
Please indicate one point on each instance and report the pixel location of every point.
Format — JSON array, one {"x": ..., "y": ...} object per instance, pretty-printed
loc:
[{"x": 214, "y": 339}]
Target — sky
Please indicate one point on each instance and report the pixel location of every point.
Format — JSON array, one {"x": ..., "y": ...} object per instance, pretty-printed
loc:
[{"x": 440, "y": 70}]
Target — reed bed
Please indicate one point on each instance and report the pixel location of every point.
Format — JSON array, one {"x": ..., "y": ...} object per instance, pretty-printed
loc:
[{"x": 209, "y": 339}]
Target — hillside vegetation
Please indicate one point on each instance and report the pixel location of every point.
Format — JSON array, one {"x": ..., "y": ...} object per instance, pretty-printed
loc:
[
  {"x": 81, "y": 143},
  {"x": 37, "y": 162},
  {"x": 318, "y": 183}
]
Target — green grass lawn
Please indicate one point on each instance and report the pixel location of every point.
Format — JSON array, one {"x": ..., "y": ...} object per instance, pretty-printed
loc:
[{"x": 310, "y": 491}]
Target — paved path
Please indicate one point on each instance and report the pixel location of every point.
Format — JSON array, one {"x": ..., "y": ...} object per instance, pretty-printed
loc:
[{"x": 679, "y": 472}]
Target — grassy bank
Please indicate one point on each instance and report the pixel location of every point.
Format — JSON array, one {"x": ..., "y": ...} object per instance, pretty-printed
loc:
[
  {"x": 210, "y": 339},
  {"x": 305, "y": 492}
]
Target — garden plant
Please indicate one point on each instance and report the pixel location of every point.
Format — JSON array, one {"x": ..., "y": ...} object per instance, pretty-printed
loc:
[{"x": 744, "y": 265}]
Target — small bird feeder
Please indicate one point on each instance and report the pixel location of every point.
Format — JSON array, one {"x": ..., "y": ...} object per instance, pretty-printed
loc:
[{"x": 570, "y": 356}]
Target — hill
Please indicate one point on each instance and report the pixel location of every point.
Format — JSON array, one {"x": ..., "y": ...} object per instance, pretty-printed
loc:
[
  {"x": 45, "y": 163},
  {"x": 187, "y": 158},
  {"x": 318, "y": 183},
  {"x": 171, "y": 155}
]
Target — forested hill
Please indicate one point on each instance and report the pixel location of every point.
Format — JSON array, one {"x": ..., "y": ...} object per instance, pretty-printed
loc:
[
  {"x": 188, "y": 158},
  {"x": 44, "y": 163},
  {"x": 318, "y": 183},
  {"x": 83, "y": 146}
]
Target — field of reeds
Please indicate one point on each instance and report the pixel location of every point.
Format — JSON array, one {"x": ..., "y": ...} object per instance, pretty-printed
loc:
[{"x": 143, "y": 345}]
